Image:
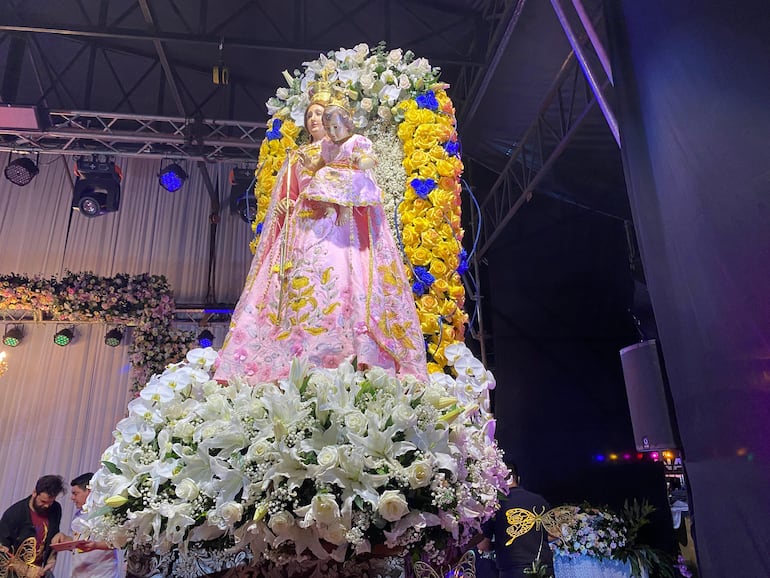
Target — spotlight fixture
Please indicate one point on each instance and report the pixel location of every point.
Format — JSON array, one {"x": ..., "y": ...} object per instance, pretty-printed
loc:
[
  {"x": 172, "y": 177},
  {"x": 20, "y": 171},
  {"x": 205, "y": 338},
  {"x": 13, "y": 337},
  {"x": 63, "y": 337},
  {"x": 114, "y": 337},
  {"x": 242, "y": 200},
  {"x": 97, "y": 188}
]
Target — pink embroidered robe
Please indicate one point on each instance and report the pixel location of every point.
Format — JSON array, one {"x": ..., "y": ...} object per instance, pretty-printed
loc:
[{"x": 343, "y": 293}]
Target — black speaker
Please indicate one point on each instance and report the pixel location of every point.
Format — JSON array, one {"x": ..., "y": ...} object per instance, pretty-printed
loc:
[{"x": 646, "y": 391}]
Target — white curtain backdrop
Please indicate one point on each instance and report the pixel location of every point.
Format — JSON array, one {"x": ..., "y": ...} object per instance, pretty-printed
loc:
[{"x": 59, "y": 405}]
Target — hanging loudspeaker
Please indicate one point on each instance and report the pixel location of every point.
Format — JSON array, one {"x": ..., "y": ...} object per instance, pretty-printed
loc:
[{"x": 646, "y": 391}]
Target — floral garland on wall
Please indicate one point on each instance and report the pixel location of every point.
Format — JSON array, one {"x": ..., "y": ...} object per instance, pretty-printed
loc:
[
  {"x": 145, "y": 302},
  {"x": 399, "y": 104}
]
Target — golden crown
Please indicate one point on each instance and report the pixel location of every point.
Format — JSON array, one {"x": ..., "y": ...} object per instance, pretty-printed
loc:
[
  {"x": 339, "y": 97},
  {"x": 320, "y": 90}
]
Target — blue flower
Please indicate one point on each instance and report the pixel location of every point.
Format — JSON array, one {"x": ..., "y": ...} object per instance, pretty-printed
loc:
[
  {"x": 423, "y": 280},
  {"x": 275, "y": 132},
  {"x": 427, "y": 100},
  {"x": 463, "y": 266},
  {"x": 423, "y": 187},
  {"x": 259, "y": 227},
  {"x": 453, "y": 148}
]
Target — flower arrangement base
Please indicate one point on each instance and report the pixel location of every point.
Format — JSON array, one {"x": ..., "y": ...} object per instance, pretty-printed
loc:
[{"x": 591, "y": 567}]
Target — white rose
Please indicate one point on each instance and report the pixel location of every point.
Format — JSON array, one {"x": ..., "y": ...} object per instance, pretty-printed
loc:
[
  {"x": 324, "y": 509},
  {"x": 227, "y": 514},
  {"x": 282, "y": 93},
  {"x": 403, "y": 82},
  {"x": 392, "y": 505},
  {"x": 327, "y": 457},
  {"x": 367, "y": 80},
  {"x": 404, "y": 416},
  {"x": 356, "y": 422},
  {"x": 367, "y": 104},
  {"x": 384, "y": 112},
  {"x": 351, "y": 462},
  {"x": 187, "y": 489},
  {"x": 281, "y": 522},
  {"x": 336, "y": 534},
  {"x": 420, "y": 474},
  {"x": 257, "y": 451},
  {"x": 395, "y": 56}
]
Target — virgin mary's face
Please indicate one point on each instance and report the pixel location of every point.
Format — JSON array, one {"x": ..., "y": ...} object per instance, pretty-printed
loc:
[{"x": 314, "y": 121}]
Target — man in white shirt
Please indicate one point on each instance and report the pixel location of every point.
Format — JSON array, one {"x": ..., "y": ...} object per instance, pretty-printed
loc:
[{"x": 91, "y": 559}]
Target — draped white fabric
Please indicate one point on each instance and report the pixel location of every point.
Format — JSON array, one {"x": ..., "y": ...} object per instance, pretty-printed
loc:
[{"x": 59, "y": 405}]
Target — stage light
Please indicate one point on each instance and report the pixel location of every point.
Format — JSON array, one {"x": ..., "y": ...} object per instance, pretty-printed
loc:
[
  {"x": 172, "y": 177},
  {"x": 63, "y": 337},
  {"x": 205, "y": 338},
  {"x": 97, "y": 188},
  {"x": 113, "y": 337},
  {"x": 242, "y": 200},
  {"x": 13, "y": 337},
  {"x": 21, "y": 171}
]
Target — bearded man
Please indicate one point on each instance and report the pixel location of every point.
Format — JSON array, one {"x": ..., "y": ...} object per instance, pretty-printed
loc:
[{"x": 36, "y": 516}]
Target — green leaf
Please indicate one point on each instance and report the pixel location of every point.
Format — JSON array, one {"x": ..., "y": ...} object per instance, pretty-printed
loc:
[{"x": 111, "y": 467}]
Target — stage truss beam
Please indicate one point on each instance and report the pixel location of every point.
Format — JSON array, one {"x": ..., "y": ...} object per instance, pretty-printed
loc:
[{"x": 133, "y": 135}]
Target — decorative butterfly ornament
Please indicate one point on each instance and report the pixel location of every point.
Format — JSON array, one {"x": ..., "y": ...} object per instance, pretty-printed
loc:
[
  {"x": 522, "y": 521},
  {"x": 465, "y": 568},
  {"x": 15, "y": 564}
]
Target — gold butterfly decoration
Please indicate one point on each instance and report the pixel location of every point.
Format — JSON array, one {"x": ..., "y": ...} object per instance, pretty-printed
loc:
[
  {"x": 522, "y": 521},
  {"x": 15, "y": 563},
  {"x": 465, "y": 568}
]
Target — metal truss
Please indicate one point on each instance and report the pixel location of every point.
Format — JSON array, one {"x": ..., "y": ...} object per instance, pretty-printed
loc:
[
  {"x": 166, "y": 38},
  {"x": 86, "y": 133},
  {"x": 564, "y": 108}
]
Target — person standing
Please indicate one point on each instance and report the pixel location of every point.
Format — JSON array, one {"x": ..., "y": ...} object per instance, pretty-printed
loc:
[
  {"x": 36, "y": 516},
  {"x": 514, "y": 556},
  {"x": 92, "y": 559}
]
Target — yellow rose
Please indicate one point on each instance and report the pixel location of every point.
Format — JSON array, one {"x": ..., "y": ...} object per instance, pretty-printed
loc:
[
  {"x": 412, "y": 115},
  {"x": 435, "y": 216},
  {"x": 428, "y": 321},
  {"x": 445, "y": 250},
  {"x": 421, "y": 205},
  {"x": 409, "y": 236},
  {"x": 407, "y": 216},
  {"x": 421, "y": 256},
  {"x": 447, "y": 307},
  {"x": 406, "y": 105},
  {"x": 448, "y": 334},
  {"x": 456, "y": 291},
  {"x": 440, "y": 286},
  {"x": 421, "y": 224},
  {"x": 439, "y": 356},
  {"x": 429, "y": 303},
  {"x": 406, "y": 130},
  {"x": 430, "y": 238},
  {"x": 428, "y": 171},
  {"x": 445, "y": 168},
  {"x": 437, "y": 153},
  {"x": 418, "y": 158},
  {"x": 438, "y": 268},
  {"x": 435, "y": 368}
]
